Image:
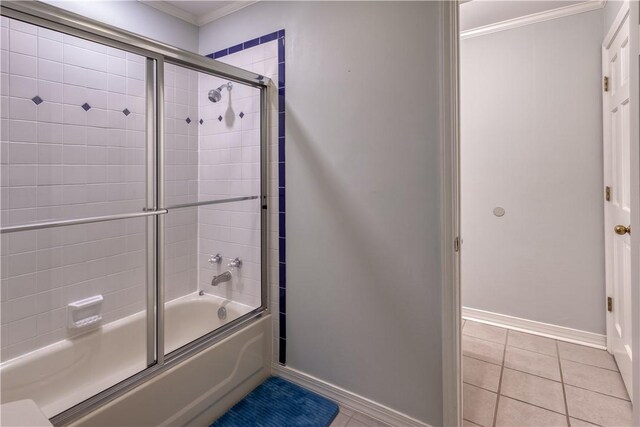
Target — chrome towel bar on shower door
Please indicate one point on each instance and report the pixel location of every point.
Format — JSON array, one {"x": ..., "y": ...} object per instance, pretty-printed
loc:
[
  {"x": 89, "y": 220},
  {"x": 51, "y": 224}
]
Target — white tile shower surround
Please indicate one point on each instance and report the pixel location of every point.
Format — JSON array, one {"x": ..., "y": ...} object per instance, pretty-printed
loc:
[
  {"x": 513, "y": 378},
  {"x": 181, "y": 180},
  {"x": 234, "y": 143},
  {"x": 63, "y": 162}
]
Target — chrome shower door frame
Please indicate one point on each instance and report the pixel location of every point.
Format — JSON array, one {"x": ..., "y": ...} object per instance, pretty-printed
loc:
[{"x": 156, "y": 54}]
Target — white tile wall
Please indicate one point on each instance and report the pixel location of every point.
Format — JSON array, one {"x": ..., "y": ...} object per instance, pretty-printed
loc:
[
  {"x": 181, "y": 180},
  {"x": 230, "y": 167},
  {"x": 59, "y": 161}
]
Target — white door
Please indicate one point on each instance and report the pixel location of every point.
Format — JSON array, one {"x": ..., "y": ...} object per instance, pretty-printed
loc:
[{"x": 617, "y": 211}]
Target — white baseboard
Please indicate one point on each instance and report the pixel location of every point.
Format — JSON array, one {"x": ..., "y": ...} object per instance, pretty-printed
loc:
[
  {"x": 561, "y": 333},
  {"x": 347, "y": 398}
]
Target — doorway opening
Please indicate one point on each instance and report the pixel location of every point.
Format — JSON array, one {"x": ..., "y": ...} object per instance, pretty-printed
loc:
[{"x": 545, "y": 194}]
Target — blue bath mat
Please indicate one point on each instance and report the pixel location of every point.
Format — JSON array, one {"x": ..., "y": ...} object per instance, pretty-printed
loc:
[{"x": 279, "y": 403}]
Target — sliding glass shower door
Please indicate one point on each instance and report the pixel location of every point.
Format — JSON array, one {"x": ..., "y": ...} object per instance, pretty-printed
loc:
[
  {"x": 133, "y": 216},
  {"x": 75, "y": 216},
  {"x": 212, "y": 233}
]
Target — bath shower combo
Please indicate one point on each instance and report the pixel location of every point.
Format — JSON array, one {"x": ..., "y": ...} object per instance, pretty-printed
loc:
[{"x": 126, "y": 319}]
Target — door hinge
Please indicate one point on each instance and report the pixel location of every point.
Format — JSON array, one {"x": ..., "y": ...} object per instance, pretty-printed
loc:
[
  {"x": 607, "y": 193},
  {"x": 609, "y": 304},
  {"x": 456, "y": 244},
  {"x": 606, "y": 83}
]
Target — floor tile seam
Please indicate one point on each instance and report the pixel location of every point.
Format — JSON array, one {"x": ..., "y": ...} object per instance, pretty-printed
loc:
[
  {"x": 532, "y": 351},
  {"x": 480, "y": 387},
  {"x": 533, "y": 375},
  {"x": 467, "y": 419},
  {"x": 481, "y": 360},
  {"x": 484, "y": 339},
  {"x": 588, "y": 364},
  {"x": 598, "y": 392},
  {"x": 586, "y": 421},
  {"x": 564, "y": 392},
  {"x": 532, "y": 404},
  {"x": 504, "y": 353}
]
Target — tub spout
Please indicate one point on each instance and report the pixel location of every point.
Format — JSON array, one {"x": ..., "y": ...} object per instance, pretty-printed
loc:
[{"x": 220, "y": 278}]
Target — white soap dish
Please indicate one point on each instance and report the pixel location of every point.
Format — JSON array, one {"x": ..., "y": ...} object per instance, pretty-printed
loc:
[{"x": 85, "y": 313}]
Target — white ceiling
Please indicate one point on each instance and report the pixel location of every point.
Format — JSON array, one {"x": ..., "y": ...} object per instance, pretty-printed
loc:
[
  {"x": 478, "y": 13},
  {"x": 197, "y": 12}
]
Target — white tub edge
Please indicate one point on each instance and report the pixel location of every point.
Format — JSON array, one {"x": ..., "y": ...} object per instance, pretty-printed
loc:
[{"x": 199, "y": 389}]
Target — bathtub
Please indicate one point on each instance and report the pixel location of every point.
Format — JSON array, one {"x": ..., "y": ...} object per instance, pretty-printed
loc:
[{"x": 63, "y": 374}]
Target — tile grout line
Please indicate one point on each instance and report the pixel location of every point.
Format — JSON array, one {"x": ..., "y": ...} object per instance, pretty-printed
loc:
[
  {"x": 481, "y": 360},
  {"x": 536, "y": 352},
  {"x": 562, "y": 381},
  {"x": 504, "y": 355},
  {"x": 532, "y": 404},
  {"x": 543, "y": 378},
  {"x": 517, "y": 399},
  {"x": 525, "y": 372},
  {"x": 592, "y": 366},
  {"x": 564, "y": 392}
]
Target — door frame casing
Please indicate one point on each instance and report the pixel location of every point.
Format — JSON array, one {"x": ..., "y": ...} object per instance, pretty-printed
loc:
[{"x": 450, "y": 211}]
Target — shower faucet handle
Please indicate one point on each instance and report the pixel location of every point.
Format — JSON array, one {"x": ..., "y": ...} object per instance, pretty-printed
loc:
[
  {"x": 217, "y": 259},
  {"x": 235, "y": 263}
]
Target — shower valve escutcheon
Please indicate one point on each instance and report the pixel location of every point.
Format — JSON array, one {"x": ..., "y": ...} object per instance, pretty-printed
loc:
[{"x": 237, "y": 263}]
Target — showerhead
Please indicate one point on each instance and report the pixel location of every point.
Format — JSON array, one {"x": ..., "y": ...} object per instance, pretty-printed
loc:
[{"x": 215, "y": 95}]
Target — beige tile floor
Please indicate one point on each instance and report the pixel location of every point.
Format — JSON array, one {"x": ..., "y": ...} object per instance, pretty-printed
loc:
[
  {"x": 350, "y": 418},
  {"x": 517, "y": 379}
]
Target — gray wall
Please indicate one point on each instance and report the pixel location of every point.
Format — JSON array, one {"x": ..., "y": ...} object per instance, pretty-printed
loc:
[
  {"x": 363, "y": 180},
  {"x": 137, "y": 17},
  {"x": 532, "y": 143}
]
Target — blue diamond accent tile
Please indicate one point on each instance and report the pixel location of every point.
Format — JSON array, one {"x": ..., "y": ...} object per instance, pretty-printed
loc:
[
  {"x": 201, "y": 121},
  {"x": 126, "y": 112},
  {"x": 188, "y": 120},
  {"x": 37, "y": 100},
  {"x": 241, "y": 114},
  {"x": 86, "y": 107},
  {"x": 219, "y": 118}
]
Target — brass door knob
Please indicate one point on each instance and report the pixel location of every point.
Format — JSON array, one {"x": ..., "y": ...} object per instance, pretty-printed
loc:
[{"x": 622, "y": 230}]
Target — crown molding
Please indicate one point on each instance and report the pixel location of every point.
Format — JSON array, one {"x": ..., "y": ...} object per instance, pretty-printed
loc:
[
  {"x": 534, "y": 18},
  {"x": 170, "y": 9},
  {"x": 197, "y": 20},
  {"x": 224, "y": 11}
]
